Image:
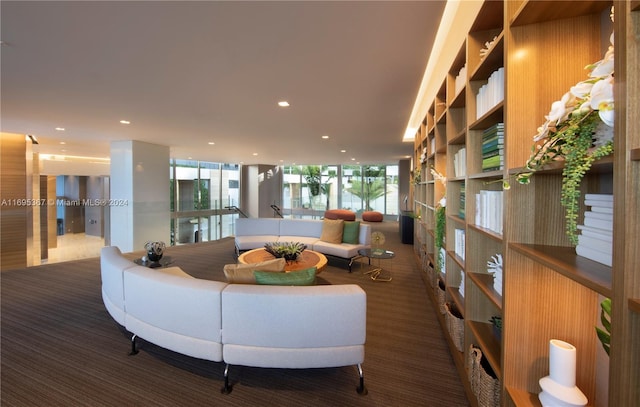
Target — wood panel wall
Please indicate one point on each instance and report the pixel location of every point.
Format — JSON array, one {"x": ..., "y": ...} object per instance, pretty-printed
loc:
[{"x": 13, "y": 217}]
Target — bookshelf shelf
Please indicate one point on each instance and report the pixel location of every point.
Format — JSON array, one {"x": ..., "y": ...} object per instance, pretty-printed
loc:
[
  {"x": 494, "y": 115},
  {"x": 487, "y": 341},
  {"x": 491, "y": 175},
  {"x": 523, "y": 398},
  {"x": 565, "y": 261},
  {"x": 457, "y": 259},
  {"x": 634, "y": 305},
  {"x": 492, "y": 61},
  {"x": 540, "y": 11},
  {"x": 635, "y": 154},
  {"x": 454, "y": 293},
  {"x": 484, "y": 281},
  {"x": 486, "y": 232}
]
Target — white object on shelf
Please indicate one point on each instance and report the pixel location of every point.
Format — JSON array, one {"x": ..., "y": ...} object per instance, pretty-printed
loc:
[{"x": 559, "y": 388}]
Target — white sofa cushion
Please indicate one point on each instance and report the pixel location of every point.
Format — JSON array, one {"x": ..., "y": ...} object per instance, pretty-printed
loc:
[
  {"x": 294, "y": 327},
  {"x": 112, "y": 266},
  {"x": 343, "y": 250},
  {"x": 176, "y": 312}
]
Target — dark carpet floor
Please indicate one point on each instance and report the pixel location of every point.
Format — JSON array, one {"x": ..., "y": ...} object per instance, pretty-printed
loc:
[{"x": 60, "y": 347}]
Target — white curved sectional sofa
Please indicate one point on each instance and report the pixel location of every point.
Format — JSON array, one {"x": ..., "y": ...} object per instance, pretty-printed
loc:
[
  {"x": 254, "y": 233},
  {"x": 296, "y": 327}
]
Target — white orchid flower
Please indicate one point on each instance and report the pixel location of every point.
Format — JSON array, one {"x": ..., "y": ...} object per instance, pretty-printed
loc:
[
  {"x": 558, "y": 111},
  {"x": 606, "y": 113},
  {"x": 443, "y": 202},
  {"x": 581, "y": 89},
  {"x": 602, "y": 94},
  {"x": 604, "y": 67},
  {"x": 543, "y": 131}
]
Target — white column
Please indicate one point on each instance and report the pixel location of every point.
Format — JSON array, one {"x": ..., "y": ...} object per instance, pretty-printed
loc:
[{"x": 139, "y": 198}]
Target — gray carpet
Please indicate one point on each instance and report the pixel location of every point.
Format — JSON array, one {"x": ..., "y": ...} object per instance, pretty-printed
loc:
[{"x": 60, "y": 347}]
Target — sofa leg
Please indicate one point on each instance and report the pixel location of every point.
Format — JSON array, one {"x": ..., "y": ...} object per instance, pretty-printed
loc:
[
  {"x": 361, "y": 389},
  {"x": 227, "y": 387},
  {"x": 134, "y": 351}
]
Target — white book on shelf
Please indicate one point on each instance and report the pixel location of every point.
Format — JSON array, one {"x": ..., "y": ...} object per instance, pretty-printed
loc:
[
  {"x": 598, "y": 215},
  {"x": 596, "y": 244},
  {"x": 602, "y": 234},
  {"x": 601, "y": 209},
  {"x": 600, "y": 204},
  {"x": 599, "y": 223},
  {"x": 594, "y": 255},
  {"x": 598, "y": 197}
]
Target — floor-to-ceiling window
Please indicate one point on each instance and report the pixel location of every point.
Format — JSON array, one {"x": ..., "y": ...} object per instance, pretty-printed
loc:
[
  {"x": 309, "y": 190},
  {"x": 202, "y": 197}
]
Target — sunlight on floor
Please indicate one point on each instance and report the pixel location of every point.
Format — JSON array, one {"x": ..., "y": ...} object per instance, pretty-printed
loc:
[{"x": 74, "y": 246}]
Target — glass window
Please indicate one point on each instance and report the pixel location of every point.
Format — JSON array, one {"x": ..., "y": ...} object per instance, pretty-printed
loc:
[{"x": 202, "y": 197}]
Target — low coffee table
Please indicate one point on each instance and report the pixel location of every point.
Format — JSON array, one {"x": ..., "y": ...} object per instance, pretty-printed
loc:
[
  {"x": 380, "y": 254},
  {"x": 307, "y": 259}
]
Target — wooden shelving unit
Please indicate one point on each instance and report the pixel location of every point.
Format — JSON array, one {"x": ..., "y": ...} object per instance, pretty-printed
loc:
[{"x": 549, "y": 291}]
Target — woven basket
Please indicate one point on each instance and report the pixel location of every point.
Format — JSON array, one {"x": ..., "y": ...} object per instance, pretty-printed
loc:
[
  {"x": 439, "y": 291},
  {"x": 473, "y": 362},
  {"x": 483, "y": 380},
  {"x": 455, "y": 325}
]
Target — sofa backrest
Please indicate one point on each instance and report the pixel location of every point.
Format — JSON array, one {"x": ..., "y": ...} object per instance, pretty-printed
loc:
[
  {"x": 112, "y": 267},
  {"x": 294, "y": 317},
  {"x": 172, "y": 303},
  {"x": 301, "y": 227},
  {"x": 257, "y": 226}
]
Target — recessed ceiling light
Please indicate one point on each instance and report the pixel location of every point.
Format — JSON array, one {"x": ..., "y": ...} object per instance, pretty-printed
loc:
[
  {"x": 125, "y": 122},
  {"x": 211, "y": 143},
  {"x": 325, "y": 137},
  {"x": 63, "y": 142},
  {"x": 255, "y": 153},
  {"x": 283, "y": 103},
  {"x": 60, "y": 128},
  {"x": 353, "y": 159},
  {"x": 343, "y": 151}
]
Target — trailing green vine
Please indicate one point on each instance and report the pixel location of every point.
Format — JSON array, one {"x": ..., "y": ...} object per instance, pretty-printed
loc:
[
  {"x": 578, "y": 130},
  {"x": 439, "y": 236}
]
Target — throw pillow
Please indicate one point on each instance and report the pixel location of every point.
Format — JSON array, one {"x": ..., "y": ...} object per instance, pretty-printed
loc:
[
  {"x": 299, "y": 277},
  {"x": 351, "y": 233},
  {"x": 332, "y": 230},
  {"x": 243, "y": 273}
]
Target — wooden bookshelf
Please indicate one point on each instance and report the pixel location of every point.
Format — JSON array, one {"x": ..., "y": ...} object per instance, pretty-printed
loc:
[{"x": 549, "y": 291}]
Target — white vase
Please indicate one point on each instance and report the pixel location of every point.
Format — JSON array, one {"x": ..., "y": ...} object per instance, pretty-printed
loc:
[{"x": 559, "y": 388}]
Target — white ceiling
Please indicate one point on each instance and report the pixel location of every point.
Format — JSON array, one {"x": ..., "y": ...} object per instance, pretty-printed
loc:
[{"x": 189, "y": 73}]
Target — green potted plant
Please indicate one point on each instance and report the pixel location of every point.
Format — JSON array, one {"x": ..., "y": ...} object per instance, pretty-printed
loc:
[{"x": 578, "y": 130}]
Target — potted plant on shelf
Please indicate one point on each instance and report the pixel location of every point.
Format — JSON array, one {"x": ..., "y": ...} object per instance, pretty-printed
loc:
[{"x": 578, "y": 130}]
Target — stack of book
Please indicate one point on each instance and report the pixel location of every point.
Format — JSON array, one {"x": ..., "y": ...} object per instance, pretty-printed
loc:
[
  {"x": 489, "y": 210},
  {"x": 493, "y": 148},
  {"x": 460, "y": 163},
  {"x": 461, "y": 287},
  {"x": 490, "y": 94},
  {"x": 463, "y": 201},
  {"x": 595, "y": 241},
  {"x": 459, "y": 243}
]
